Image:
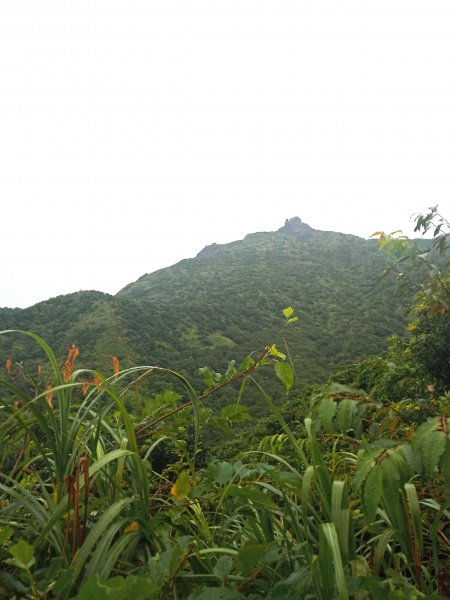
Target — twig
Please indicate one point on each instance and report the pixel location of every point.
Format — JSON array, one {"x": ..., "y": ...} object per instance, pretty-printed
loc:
[{"x": 238, "y": 376}]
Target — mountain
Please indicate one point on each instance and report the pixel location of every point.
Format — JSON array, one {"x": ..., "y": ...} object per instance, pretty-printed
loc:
[
  {"x": 227, "y": 302},
  {"x": 234, "y": 294}
]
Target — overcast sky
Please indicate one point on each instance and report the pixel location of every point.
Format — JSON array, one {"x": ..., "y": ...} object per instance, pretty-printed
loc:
[{"x": 134, "y": 133}]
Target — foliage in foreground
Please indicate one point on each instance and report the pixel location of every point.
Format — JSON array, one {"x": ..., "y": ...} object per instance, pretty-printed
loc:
[
  {"x": 328, "y": 509},
  {"x": 350, "y": 500}
]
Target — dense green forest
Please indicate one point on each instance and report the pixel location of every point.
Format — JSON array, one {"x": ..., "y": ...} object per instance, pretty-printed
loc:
[
  {"x": 118, "y": 479},
  {"x": 225, "y": 303}
]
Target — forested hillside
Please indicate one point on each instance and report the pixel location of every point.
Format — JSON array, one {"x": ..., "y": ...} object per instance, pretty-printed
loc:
[{"x": 227, "y": 302}]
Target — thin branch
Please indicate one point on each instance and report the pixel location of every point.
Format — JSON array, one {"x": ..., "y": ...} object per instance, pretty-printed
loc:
[{"x": 236, "y": 377}]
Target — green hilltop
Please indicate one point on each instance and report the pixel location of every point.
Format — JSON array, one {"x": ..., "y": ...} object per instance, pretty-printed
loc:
[{"x": 227, "y": 302}]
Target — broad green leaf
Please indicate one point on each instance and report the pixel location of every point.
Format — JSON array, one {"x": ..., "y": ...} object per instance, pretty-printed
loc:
[
  {"x": 5, "y": 534},
  {"x": 118, "y": 588},
  {"x": 433, "y": 447},
  {"x": 247, "y": 363},
  {"x": 253, "y": 494},
  {"x": 340, "y": 388},
  {"x": 364, "y": 465},
  {"x": 273, "y": 351},
  {"x": 422, "y": 432},
  {"x": 373, "y": 489},
  {"x": 250, "y": 554},
  {"x": 289, "y": 479},
  {"x": 168, "y": 397},
  {"x": 345, "y": 411},
  {"x": 391, "y": 483},
  {"x": 327, "y": 410},
  {"x": 182, "y": 486},
  {"x": 13, "y": 584},
  {"x": 222, "y": 472},
  {"x": 285, "y": 373},
  {"x": 235, "y": 413},
  {"x": 23, "y": 555},
  {"x": 63, "y": 583},
  {"x": 288, "y": 312},
  {"x": 415, "y": 518},
  {"x": 382, "y": 547},
  {"x": 208, "y": 376},
  {"x": 231, "y": 369},
  {"x": 391, "y": 492},
  {"x": 215, "y": 593},
  {"x": 223, "y": 568},
  {"x": 295, "y": 586},
  {"x": 444, "y": 465}
]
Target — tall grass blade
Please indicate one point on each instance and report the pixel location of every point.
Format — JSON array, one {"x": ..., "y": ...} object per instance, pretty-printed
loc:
[
  {"x": 331, "y": 538},
  {"x": 100, "y": 529}
]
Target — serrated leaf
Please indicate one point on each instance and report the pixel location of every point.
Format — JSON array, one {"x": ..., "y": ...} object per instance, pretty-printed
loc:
[
  {"x": 327, "y": 411},
  {"x": 422, "y": 432},
  {"x": 364, "y": 465},
  {"x": 345, "y": 411},
  {"x": 433, "y": 447},
  {"x": 285, "y": 373},
  {"x": 391, "y": 494},
  {"x": 373, "y": 489}
]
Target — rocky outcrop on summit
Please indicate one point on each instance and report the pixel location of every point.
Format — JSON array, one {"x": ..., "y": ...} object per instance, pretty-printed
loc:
[{"x": 297, "y": 228}]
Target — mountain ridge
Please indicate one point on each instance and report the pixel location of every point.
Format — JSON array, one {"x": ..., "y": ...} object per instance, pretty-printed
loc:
[{"x": 226, "y": 303}]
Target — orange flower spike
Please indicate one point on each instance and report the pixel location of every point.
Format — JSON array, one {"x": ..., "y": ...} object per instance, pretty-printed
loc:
[
  {"x": 98, "y": 382},
  {"x": 67, "y": 371},
  {"x": 133, "y": 526},
  {"x": 115, "y": 362},
  {"x": 8, "y": 365},
  {"x": 39, "y": 369},
  {"x": 68, "y": 365},
  {"x": 85, "y": 388},
  {"x": 49, "y": 397}
]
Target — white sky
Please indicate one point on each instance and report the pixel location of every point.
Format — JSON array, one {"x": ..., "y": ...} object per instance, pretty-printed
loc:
[{"x": 134, "y": 133}]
